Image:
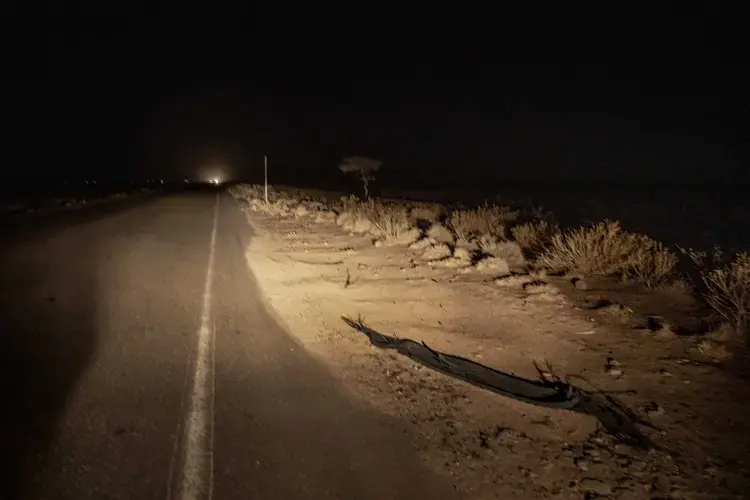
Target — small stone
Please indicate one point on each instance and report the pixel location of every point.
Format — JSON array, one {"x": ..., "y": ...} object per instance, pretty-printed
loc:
[
  {"x": 596, "y": 486},
  {"x": 612, "y": 367},
  {"x": 629, "y": 494},
  {"x": 579, "y": 284},
  {"x": 528, "y": 473},
  {"x": 592, "y": 452},
  {"x": 581, "y": 463},
  {"x": 623, "y": 461},
  {"x": 655, "y": 323},
  {"x": 377, "y": 243},
  {"x": 653, "y": 409},
  {"x": 623, "y": 449},
  {"x": 710, "y": 472}
]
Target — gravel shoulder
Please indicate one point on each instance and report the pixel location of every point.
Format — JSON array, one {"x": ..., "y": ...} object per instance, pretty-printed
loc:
[{"x": 312, "y": 272}]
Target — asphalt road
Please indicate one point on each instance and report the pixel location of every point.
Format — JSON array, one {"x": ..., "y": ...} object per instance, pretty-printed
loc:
[{"x": 138, "y": 362}]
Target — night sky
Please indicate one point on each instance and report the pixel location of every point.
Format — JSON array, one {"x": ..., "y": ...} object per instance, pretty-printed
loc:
[{"x": 446, "y": 106}]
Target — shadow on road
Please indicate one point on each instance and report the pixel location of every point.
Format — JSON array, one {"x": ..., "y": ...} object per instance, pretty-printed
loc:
[
  {"x": 285, "y": 426},
  {"x": 47, "y": 339}
]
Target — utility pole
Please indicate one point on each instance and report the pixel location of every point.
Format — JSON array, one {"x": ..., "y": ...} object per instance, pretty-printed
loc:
[{"x": 265, "y": 176}]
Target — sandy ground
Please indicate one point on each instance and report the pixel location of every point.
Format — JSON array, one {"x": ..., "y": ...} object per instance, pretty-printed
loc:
[{"x": 312, "y": 273}]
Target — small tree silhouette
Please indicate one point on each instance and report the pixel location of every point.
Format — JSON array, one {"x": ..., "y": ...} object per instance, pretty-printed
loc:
[{"x": 362, "y": 166}]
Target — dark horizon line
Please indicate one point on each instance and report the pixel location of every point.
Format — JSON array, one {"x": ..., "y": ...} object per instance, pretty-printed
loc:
[{"x": 315, "y": 181}]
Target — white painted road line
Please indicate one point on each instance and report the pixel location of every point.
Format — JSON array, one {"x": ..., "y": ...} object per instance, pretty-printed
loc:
[{"x": 196, "y": 477}]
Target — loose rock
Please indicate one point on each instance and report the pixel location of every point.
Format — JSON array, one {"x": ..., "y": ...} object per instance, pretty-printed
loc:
[
  {"x": 440, "y": 233},
  {"x": 653, "y": 409},
  {"x": 581, "y": 463},
  {"x": 596, "y": 486},
  {"x": 613, "y": 367},
  {"x": 579, "y": 284}
]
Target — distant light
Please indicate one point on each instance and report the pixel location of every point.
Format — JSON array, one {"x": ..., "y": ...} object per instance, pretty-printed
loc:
[{"x": 162, "y": 182}]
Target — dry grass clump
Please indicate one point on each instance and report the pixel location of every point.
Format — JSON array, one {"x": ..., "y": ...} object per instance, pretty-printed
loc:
[
  {"x": 246, "y": 192},
  {"x": 425, "y": 211},
  {"x": 726, "y": 287},
  {"x": 467, "y": 225},
  {"x": 534, "y": 236},
  {"x": 389, "y": 221},
  {"x": 351, "y": 204},
  {"x": 606, "y": 250}
]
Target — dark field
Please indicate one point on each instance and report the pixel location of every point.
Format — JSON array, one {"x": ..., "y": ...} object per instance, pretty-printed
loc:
[{"x": 34, "y": 198}]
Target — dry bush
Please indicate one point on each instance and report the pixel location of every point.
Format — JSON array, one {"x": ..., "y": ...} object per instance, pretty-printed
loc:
[
  {"x": 276, "y": 208},
  {"x": 389, "y": 221},
  {"x": 350, "y": 204},
  {"x": 425, "y": 211},
  {"x": 509, "y": 251},
  {"x": 650, "y": 263},
  {"x": 250, "y": 192},
  {"x": 533, "y": 236},
  {"x": 485, "y": 220},
  {"x": 244, "y": 191},
  {"x": 726, "y": 288},
  {"x": 606, "y": 250}
]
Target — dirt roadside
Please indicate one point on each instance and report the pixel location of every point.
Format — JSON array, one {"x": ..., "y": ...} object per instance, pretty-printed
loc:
[{"x": 312, "y": 272}]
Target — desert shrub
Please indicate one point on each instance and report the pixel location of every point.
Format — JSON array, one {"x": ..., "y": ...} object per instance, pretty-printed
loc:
[
  {"x": 533, "y": 236},
  {"x": 388, "y": 221},
  {"x": 425, "y": 211},
  {"x": 242, "y": 192},
  {"x": 509, "y": 251},
  {"x": 250, "y": 192},
  {"x": 606, "y": 250},
  {"x": 467, "y": 225},
  {"x": 350, "y": 204},
  {"x": 650, "y": 263},
  {"x": 726, "y": 287}
]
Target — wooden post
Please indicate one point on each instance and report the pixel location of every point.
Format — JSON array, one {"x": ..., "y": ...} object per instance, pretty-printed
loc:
[{"x": 265, "y": 176}]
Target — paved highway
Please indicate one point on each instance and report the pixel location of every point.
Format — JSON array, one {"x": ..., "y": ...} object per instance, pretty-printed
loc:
[{"x": 138, "y": 362}]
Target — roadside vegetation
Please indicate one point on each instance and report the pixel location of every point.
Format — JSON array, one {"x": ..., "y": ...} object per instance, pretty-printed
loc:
[
  {"x": 505, "y": 285},
  {"x": 461, "y": 235}
]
